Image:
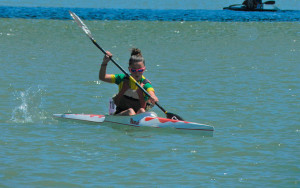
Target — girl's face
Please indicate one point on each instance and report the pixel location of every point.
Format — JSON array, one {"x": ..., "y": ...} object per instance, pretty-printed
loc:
[{"x": 137, "y": 69}]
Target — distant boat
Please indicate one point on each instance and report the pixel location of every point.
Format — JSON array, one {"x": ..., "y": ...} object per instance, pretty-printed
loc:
[{"x": 242, "y": 7}]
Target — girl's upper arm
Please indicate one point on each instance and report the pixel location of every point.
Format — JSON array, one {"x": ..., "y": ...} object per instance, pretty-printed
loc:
[{"x": 109, "y": 78}]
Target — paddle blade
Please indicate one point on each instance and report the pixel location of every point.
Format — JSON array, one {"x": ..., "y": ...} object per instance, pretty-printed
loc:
[
  {"x": 81, "y": 24},
  {"x": 269, "y": 2},
  {"x": 174, "y": 116}
]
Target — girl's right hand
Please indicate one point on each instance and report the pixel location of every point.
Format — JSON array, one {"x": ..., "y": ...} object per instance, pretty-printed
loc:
[{"x": 106, "y": 57}]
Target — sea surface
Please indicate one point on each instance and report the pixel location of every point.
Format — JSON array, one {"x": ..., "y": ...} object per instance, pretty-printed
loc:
[{"x": 240, "y": 76}]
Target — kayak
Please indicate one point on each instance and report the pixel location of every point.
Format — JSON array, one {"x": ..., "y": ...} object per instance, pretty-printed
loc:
[
  {"x": 244, "y": 8},
  {"x": 147, "y": 119}
]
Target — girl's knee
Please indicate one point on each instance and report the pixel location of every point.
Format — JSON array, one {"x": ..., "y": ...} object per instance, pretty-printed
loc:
[
  {"x": 131, "y": 112},
  {"x": 141, "y": 110}
]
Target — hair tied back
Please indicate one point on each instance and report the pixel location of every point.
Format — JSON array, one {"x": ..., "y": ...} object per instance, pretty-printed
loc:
[
  {"x": 136, "y": 56},
  {"x": 136, "y": 52}
]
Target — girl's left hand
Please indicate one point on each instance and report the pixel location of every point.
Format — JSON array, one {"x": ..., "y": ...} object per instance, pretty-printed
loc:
[{"x": 153, "y": 99}]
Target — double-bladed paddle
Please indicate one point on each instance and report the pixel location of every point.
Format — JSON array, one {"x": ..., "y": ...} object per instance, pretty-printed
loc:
[{"x": 89, "y": 34}]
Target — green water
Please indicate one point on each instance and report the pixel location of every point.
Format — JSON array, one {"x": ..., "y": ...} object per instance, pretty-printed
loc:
[{"x": 242, "y": 78}]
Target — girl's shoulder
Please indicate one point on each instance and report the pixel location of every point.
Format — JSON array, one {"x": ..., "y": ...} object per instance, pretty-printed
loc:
[
  {"x": 147, "y": 83},
  {"x": 145, "y": 80},
  {"x": 118, "y": 78}
]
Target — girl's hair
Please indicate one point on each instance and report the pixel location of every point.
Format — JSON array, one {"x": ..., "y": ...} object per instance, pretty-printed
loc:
[{"x": 136, "y": 56}]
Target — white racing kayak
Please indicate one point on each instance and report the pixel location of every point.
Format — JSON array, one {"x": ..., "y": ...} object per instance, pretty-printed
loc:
[{"x": 147, "y": 119}]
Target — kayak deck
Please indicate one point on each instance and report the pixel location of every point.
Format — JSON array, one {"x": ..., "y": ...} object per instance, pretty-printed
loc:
[{"x": 82, "y": 117}]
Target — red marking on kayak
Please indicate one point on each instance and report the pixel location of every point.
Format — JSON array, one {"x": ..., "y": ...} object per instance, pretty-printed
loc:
[
  {"x": 91, "y": 115},
  {"x": 164, "y": 120},
  {"x": 99, "y": 116}
]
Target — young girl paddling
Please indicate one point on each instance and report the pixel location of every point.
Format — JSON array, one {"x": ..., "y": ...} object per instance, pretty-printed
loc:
[{"x": 130, "y": 100}]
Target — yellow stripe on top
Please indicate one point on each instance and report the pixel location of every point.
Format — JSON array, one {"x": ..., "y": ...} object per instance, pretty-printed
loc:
[
  {"x": 119, "y": 79},
  {"x": 150, "y": 89},
  {"x": 113, "y": 78},
  {"x": 132, "y": 82}
]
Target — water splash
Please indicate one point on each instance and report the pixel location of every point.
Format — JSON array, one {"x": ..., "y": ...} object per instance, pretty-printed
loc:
[{"x": 29, "y": 107}]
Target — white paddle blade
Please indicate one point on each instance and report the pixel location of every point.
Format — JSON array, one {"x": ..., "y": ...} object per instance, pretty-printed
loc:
[{"x": 81, "y": 24}]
